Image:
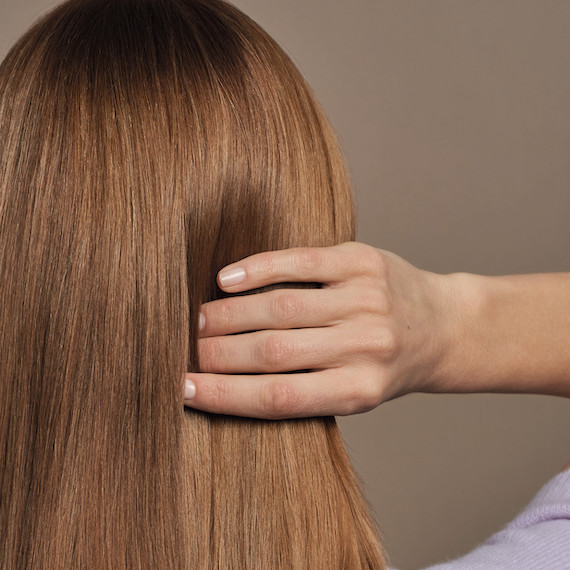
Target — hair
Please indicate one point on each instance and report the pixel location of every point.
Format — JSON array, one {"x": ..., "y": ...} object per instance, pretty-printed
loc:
[{"x": 146, "y": 144}]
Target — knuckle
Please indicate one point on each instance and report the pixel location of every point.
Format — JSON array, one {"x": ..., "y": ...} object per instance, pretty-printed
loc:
[
  {"x": 280, "y": 399},
  {"x": 274, "y": 351},
  {"x": 392, "y": 345},
  {"x": 309, "y": 259},
  {"x": 225, "y": 314},
  {"x": 386, "y": 345},
  {"x": 210, "y": 354},
  {"x": 287, "y": 308},
  {"x": 376, "y": 302},
  {"x": 364, "y": 395},
  {"x": 374, "y": 262},
  {"x": 382, "y": 345},
  {"x": 216, "y": 394},
  {"x": 378, "y": 262},
  {"x": 264, "y": 264},
  {"x": 349, "y": 246},
  {"x": 370, "y": 395}
]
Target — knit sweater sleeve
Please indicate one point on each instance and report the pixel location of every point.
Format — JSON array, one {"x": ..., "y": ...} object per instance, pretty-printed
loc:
[{"x": 539, "y": 537}]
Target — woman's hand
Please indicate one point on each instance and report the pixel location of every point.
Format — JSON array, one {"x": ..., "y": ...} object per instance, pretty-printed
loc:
[{"x": 377, "y": 329}]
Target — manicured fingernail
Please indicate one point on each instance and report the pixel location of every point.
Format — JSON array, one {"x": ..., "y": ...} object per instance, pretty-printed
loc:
[
  {"x": 202, "y": 321},
  {"x": 189, "y": 390},
  {"x": 231, "y": 276}
]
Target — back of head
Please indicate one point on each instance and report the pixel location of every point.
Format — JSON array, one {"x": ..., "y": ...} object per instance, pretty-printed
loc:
[{"x": 147, "y": 143}]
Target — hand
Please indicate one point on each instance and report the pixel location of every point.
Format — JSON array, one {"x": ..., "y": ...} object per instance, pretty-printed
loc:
[{"x": 375, "y": 331}]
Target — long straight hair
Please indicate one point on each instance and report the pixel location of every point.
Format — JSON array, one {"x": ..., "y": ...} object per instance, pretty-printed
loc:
[{"x": 145, "y": 144}]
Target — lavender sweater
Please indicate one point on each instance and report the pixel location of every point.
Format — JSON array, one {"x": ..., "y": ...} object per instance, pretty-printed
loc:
[{"x": 537, "y": 539}]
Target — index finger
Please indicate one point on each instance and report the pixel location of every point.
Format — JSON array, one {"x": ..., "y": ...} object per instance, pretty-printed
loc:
[{"x": 328, "y": 265}]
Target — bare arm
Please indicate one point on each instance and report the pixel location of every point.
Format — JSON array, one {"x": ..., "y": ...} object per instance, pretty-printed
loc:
[
  {"x": 379, "y": 329},
  {"x": 510, "y": 334}
]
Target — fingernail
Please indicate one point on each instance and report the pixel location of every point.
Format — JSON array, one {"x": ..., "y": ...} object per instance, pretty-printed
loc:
[
  {"x": 202, "y": 321},
  {"x": 231, "y": 276},
  {"x": 189, "y": 390}
]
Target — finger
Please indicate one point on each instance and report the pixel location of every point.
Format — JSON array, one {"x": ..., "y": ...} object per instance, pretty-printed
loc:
[
  {"x": 280, "y": 396},
  {"x": 275, "y": 351},
  {"x": 278, "y": 309},
  {"x": 328, "y": 265}
]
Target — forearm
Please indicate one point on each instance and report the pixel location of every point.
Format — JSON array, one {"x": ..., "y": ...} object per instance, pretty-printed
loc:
[{"x": 507, "y": 334}]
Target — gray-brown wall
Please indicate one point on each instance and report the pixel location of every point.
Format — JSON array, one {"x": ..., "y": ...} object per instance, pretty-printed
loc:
[{"x": 454, "y": 117}]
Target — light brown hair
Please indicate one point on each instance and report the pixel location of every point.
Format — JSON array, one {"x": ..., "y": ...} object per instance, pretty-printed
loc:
[{"x": 145, "y": 144}]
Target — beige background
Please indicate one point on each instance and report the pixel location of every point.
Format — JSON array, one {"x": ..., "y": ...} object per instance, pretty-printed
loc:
[{"x": 454, "y": 117}]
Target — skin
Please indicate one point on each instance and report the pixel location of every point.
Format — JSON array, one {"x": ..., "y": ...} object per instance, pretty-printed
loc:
[{"x": 378, "y": 329}]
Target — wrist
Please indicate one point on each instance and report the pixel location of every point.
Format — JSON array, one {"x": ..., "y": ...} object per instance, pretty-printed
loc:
[
  {"x": 462, "y": 298},
  {"x": 501, "y": 334}
]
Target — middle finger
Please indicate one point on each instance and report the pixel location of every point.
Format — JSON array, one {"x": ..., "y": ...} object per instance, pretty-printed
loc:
[
  {"x": 274, "y": 351},
  {"x": 277, "y": 309}
]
